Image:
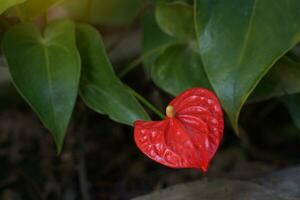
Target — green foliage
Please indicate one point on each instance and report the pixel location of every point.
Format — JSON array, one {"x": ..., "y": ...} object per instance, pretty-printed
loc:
[
  {"x": 108, "y": 12},
  {"x": 238, "y": 44},
  {"x": 179, "y": 68},
  {"x": 154, "y": 40},
  {"x": 45, "y": 68},
  {"x": 283, "y": 79},
  {"x": 292, "y": 103},
  {"x": 33, "y": 8},
  {"x": 241, "y": 42},
  {"x": 5, "y": 4},
  {"x": 176, "y": 19},
  {"x": 174, "y": 61},
  {"x": 100, "y": 89},
  {"x": 236, "y": 49}
]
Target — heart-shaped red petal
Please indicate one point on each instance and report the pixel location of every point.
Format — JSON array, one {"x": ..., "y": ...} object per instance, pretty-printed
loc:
[{"x": 188, "y": 136}]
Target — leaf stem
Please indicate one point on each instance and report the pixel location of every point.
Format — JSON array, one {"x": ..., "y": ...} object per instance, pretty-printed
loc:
[
  {"x": 131, "y": 66},
  {"x": 146, "y": 102},
  {"x": 136, "y": 62}
]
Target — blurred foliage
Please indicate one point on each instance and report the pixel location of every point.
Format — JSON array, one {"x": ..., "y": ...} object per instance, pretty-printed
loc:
[
  {"x": 31, "y": 9},
  {"x": 107, "y": 12},
  {"x": 8, "y": 3}
]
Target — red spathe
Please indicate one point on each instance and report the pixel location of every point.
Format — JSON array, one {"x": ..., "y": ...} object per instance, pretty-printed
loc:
[{"x": 190, "y": 138}]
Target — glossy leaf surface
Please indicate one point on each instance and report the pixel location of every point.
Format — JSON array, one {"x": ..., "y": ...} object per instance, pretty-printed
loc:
[
  {"x": 189, "y": 135},
  {"x": 176, "y": 19},
  {"x": 239, "y": 42},
  {"x": 45, "y": 69},
  {"x": 100, "y": 89},
  {"x": 178, "y": 69},
  {"x": 174, "y": 61}
]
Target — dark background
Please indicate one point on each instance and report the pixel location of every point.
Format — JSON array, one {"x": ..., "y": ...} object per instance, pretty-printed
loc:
[{"x": 101, "y": 161}]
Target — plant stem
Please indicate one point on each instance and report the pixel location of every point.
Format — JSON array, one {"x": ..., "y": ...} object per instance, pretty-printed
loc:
[
  {"x": 131, "y": 66},
  {"x": 136, "y": 62},
  {"x": 146, "y": 102},
  {"x": 81, "y": 151}
]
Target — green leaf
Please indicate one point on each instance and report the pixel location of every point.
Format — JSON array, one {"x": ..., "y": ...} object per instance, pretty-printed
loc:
[
  {"x": 5, "y": 4},
  {"x": 292, "y": 103},
  {"x": 31, "y": 9},
  {"x": 100, "y": 89},
  {"x": 282, "y": 79},
  {"x": 175, "y": 64},
  {"x": 176, "y": 19},
  {"x": 45, "y": 68},
  {"x": 179, "y": 68},
  {"x": 241, "y": 41},
  {"x": 106, "y": 12},
  {"x": 154, "y": 41}
]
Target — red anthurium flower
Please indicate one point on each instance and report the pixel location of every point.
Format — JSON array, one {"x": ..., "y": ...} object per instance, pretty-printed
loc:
[{"x": 188, "y": 136}]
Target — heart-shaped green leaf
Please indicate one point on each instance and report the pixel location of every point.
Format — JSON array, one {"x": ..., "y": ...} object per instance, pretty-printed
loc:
[
  {"x": 5, "y": 4},
  {"x": 175, "y": 64},
  {"x": 176, "y": 19},
  {"x": 100, "y": 89},
  {"x": 45, "y": 69},
  {"x": 179, "y": 68},
  {"x": 282, "y": 79},
  {"x": 240, "y": 43}
]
